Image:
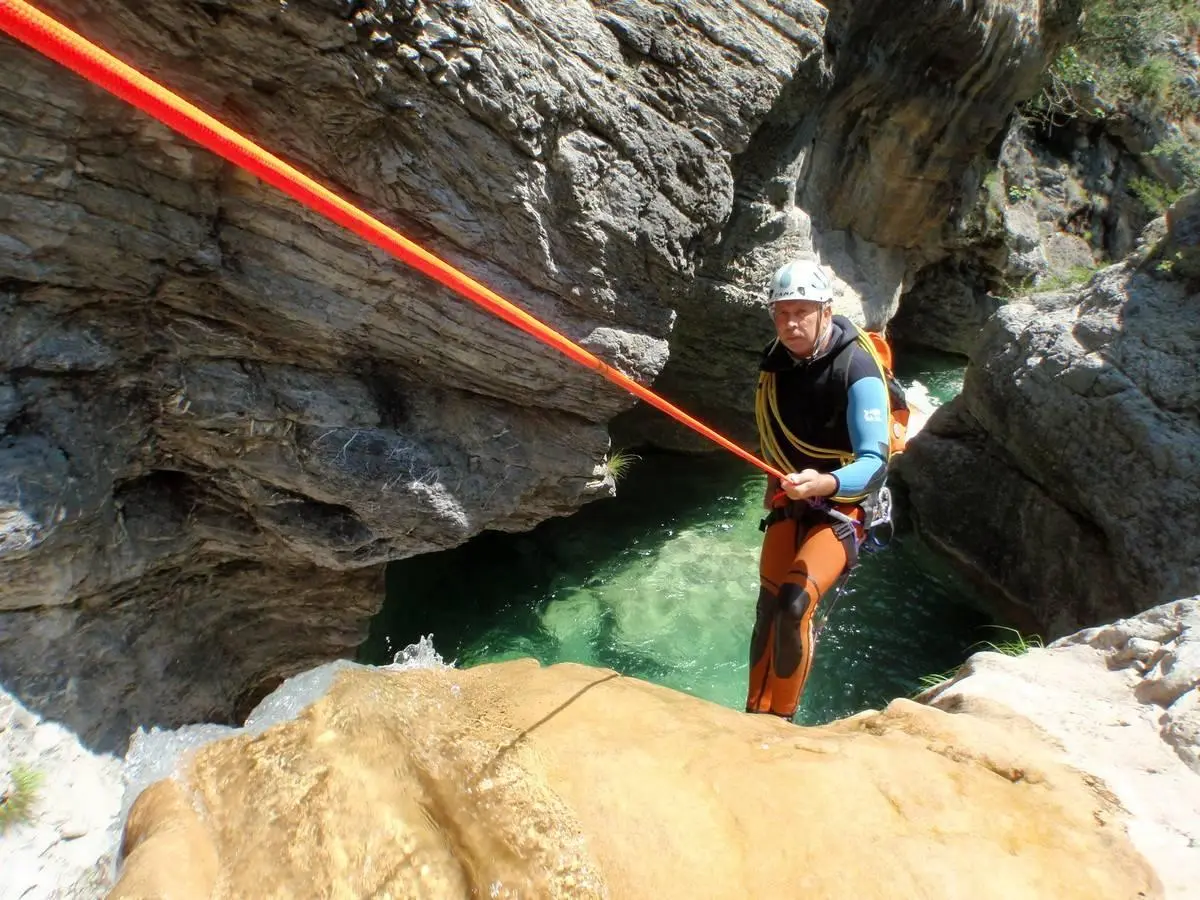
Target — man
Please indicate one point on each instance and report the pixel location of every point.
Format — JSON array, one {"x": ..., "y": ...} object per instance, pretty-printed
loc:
[{"x": 822, "y": 409}]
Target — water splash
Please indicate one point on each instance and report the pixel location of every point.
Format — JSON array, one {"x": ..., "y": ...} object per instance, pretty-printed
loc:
[
  {"x": 420, "y": 655},
  {"x": 293, "y": 696}
]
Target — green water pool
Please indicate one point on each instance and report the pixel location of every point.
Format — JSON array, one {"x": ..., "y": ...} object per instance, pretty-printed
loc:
[{"x": 660, "y": 583}]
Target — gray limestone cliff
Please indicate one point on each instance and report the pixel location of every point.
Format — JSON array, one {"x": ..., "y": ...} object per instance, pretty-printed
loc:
[{"x": 1066, "y": 477}]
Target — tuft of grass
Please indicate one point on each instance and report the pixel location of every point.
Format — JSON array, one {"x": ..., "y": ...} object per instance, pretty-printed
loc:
[
  {"x": 617, "y": 465},
  {"x": 1015, "y": 646},
  {"x": 1074, "y": 276},
  {"x": 1019, "y": 644},
  {"x": 18, "y": 796},
  {"x": 928, "y": 682}
]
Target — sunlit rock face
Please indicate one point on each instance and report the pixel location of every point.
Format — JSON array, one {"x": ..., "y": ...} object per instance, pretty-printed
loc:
[
  {"x": 512, "y": 780},
  {"x": 221, "y": 415},
  {"x": 1123, "y": 703}
]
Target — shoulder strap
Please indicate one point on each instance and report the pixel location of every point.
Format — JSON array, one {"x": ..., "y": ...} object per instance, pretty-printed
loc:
[
  {"x": 841, "y": 364},
  {"x": 866, "y": 340}
]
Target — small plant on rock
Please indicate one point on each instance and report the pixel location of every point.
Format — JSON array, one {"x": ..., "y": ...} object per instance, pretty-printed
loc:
[
  {"x": 1059, "y": 280},
  {"x": 18, "y": 794},
  {"x": 1016, "y": 646},
  {"x": 618, "y": 463},
  {"x": 1018, "y": 193},
  {"x": 929, "y": 682},
  {"x": 615, "y": 466}
]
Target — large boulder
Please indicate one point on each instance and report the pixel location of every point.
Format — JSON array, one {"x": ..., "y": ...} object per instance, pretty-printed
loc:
[
  {"x": 1123, "y": 702},
  {"x": 513, "y": 780},
  {"x": 1066, "y": 477}
]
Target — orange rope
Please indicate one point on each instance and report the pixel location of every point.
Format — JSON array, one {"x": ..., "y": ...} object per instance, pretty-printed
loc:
[{"x": 55, "y": 40}]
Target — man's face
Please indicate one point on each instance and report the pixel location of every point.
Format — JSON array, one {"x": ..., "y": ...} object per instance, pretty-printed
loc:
[{"x": 799, "y": 323}]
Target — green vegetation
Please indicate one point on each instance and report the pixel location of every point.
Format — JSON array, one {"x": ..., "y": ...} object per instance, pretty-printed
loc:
[
  {"x": 17, "y": 796},
  {"x": 1017, "y": 193},
  {"x": 1184, "y": 157},
  {"x": 617, "y": 464},
  {"x": 1059, "y": 280},
  {"x": 1121, "y": 57},
  {"x": 1184, "y": 154},
  {"x": 1015, "y": 288},
  {"x": 928, "y": 682},
  {"x": 1017, "y": 645},
  {"x": 1166, "y": 266},
  {"x": 1157, "y": 195},
  {"x": 1154, "y": 194}
]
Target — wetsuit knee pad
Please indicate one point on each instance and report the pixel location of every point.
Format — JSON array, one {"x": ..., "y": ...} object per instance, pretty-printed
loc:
[
  {"x": 768, "y": 603},
  {"x": 794, "y": 601}
]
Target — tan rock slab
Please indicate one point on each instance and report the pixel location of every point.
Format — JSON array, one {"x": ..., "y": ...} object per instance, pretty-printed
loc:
[{"x": 512, "y": 780}]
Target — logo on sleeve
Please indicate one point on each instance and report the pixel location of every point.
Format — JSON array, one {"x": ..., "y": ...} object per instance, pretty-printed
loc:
[{"x": 872, "y": 415}]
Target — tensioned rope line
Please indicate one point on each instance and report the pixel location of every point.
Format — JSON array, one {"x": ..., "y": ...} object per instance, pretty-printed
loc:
[{"x": 53, "y": 39}]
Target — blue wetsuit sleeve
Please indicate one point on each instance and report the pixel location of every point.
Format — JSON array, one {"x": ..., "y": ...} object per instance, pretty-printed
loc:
[{"x": 866, "y": 415}]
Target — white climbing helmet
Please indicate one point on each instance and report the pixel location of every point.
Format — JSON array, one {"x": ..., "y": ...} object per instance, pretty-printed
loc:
[{"x": 801, "y": 279}]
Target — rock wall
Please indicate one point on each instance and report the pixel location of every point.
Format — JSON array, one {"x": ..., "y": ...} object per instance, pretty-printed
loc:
[
  {"x": 865, "y": 171},
  {"x": 1056, "y": 207},
  {"x": 1066, "y": 477},
  {"x": 221, "y": 416}
]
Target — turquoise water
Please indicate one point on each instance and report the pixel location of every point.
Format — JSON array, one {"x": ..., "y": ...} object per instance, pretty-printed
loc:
[{"x": 660, "y": 583}]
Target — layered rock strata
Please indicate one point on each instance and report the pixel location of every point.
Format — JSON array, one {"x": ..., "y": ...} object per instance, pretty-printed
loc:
[
  {"x": 220, "y": 415},
  {"x": 213, "y": 403}
]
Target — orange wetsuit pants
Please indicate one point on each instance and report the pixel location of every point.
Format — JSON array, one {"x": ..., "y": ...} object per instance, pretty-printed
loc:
[{"x": 800, "y": 562}]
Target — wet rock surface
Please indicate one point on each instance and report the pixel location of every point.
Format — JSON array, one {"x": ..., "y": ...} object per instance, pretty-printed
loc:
[{"x": 574, "y": 782}]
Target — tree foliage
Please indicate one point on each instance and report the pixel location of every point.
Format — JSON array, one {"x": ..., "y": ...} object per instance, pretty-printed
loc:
[{"x": 1123, "y": 56}]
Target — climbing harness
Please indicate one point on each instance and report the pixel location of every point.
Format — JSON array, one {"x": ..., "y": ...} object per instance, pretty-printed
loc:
[
  {"x": 54, "y": 40},
  {"x": 850, "y": 533}
]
